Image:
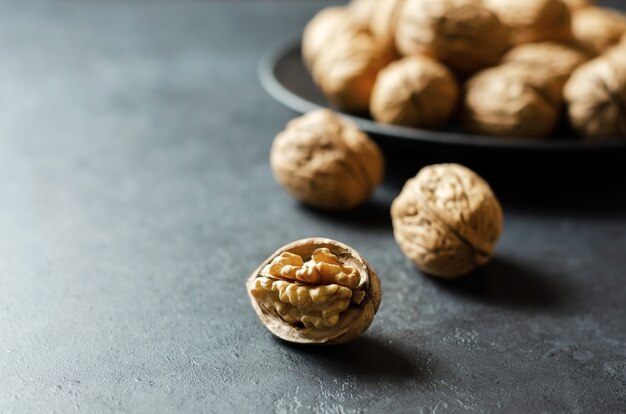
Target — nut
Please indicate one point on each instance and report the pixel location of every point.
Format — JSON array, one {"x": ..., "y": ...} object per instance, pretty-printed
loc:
[
  {"x": 533, "y": 20},
  {"x": 596, "y": 98},
  {"x": 383, "y": 21},
  {"x": 346, "y": 69},
  {"x": 326, "y": 162},
  {"x": 556, "y": 60},
  {"x": 447, "y": 220},
  {"x": 463, "y": 34},
  {"x": 577, "y": 4},
  {"x": 362, "y": 11},
  {"x": 415, "y": 91},
  {"x": 511, "y": 100},
  {"x": 315, "y": 291},
  {"x": 596, "y": 28}
]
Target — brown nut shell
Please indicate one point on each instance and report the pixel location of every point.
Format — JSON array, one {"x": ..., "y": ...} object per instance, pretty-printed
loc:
[
  {"x": 383, "y": 21},
  {"x": 414, "y": 91},
  {"x": 447, "y": 220},
  {"x": 597, "y": 28},
  {"x": 596, "y": 98},
  {"x": 325, "y": 312},
  {"x": 325, "y": 161},
  {"x": 533, "y": 20},
  {"x": 577, "y": 4},
  {"x": 511, "y": 100},
  {"x": 462, "y": 34},
  {"x": 363, "y": 10}
]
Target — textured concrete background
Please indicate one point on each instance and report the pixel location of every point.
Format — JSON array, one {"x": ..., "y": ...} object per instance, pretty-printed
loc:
[{"x": 136, "y": 198}]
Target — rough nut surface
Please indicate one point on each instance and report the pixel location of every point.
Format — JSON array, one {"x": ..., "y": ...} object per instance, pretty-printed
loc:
[
  {"x": 463, "y": 34},
  {"x": 596, "y": 98},
  {"x": 597, "y": 28},
  {"x": 511, "y": 100},
  {"x": 315, "y": 291},
  {"x": 326, "y": 162},
  {"x": 346, "y": 69},
  {"x": 555, "y": 60},
  {"x": 533, "y": 20},
  {"x": 414, "y": 91},
  {"x": 447, "y": 220}
]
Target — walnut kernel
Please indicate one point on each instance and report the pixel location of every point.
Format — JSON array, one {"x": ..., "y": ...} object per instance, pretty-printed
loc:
[{"x": 315, "y": 291}]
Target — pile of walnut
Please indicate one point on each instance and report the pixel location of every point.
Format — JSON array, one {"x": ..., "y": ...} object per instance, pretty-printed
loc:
[{"x": 500, "y": 67}]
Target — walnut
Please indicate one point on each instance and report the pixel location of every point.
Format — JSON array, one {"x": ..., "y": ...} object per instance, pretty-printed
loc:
[
  {"x": 596, "y": 28},
  {"x": 447, "y": 220},
  {"x": 577, "y": 4},
  {"x": 596, "y": 98},
  {"x": 617, "y": 53},
  {"x": 383, "y": 21},
  {"x": 415, "y": 91},
  {"x": 326, "y": 162},
  {"x": 321, "y": 30},
  {"x": 315, "y": 291},
  {"x": 463, "y": 34},
  {"x": 511, "y": 100},
  {"x": 346, "y": 69},
  {"x": 533, "y": 20},
  {"x": 362, "y": 10},
  {"x": 555, "y": 60}
]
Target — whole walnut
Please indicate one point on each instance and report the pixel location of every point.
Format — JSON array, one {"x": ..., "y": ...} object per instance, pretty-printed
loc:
[
  {"x": 447, "y": 220},
  {"x": 315, "y": 291},
  {"x": 326, "y": 162},
  {"x": 414, "y": 91},
  {"x": 346, "y": 69},
  {"x": 511, "y": 100},
  {"x": 596, "y": 98},
  {"x": 463, "y": 34},
  {"x": 533, "y": 20},
  {"x": 554, "y": 60},
  {"x": 597, "y": 28},
  {"x": 383, "y": 21},
  {"x": 321, "y": 30}
]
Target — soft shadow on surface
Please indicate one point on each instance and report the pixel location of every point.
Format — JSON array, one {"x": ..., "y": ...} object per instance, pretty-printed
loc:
[
  {"x": 373, "y": 214},
  {"x": 552, "y": 184},
  {"x": 368, "y": 357},
  {"x": 513, "y": 285}
]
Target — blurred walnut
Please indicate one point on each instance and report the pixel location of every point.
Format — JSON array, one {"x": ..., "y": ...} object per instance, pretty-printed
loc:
[
  {"x": 511, "y": 100},
  {"x": 383, "y": 21},
  {"x": 596, "y": 98},
  {"x": 460, "y": 33},
  {"x": 596, "y": 28},
  {"x": 447, "y": 220},
  {"x": 577, "y": 4},
  {"x": 315, "y": 291},
  {"x": 533, "y": 20},
  {"x": 415, "y": 91},
  {"x": 346, "y": 69},
  {"x": 617, "y": 52},
  {"x": 326, "y": 162},
  {"x": 362, "y": 10},
  {"x": 554, "y": 60},
  {"x": 321, "y": 30}
]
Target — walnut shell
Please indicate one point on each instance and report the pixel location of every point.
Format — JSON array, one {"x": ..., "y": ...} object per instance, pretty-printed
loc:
[
  {"x": 511, "y": 100},
  {"x": 577, "y": 4},
  {"x": 320, "y": 31},
  {"x": 383, "y": 21},
  {"x": 447, "y": 220},
  {"x": 363, "y": 10},
  {"x": 315, "y": 291},
  {"x": 597, "y": 28},
  {"x": 326, "y": 162},
  {"x": 346, "y": 69},
  {"x": 533, "y": 20},
  {"x": 463, "y": 34},
  {"x": 414, "y": 91},
  {"x": 555, "y": 60},
  {"x": 596, "y": 98}
]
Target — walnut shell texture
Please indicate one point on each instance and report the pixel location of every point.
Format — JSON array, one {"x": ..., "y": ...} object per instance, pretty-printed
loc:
[
  {"x": 414, "y": 91},
  {"x": 533, "y": 20},
  {"x": 462, "y": 34},
  {"x": 556, "y": 60},
  {"x": 596, "y": 98},
  {"x": 447, "y": 220},
  {"x": 597, "y": 28},
  {"x": 346, "y": 69},
  {"x": 326, "y": 162},
  {"x": 315, "y": 291},
  {"x": 511, "y": 100}
]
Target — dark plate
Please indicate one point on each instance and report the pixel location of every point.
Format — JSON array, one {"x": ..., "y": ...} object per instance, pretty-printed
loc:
[{"x": 285, "y": 77}]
